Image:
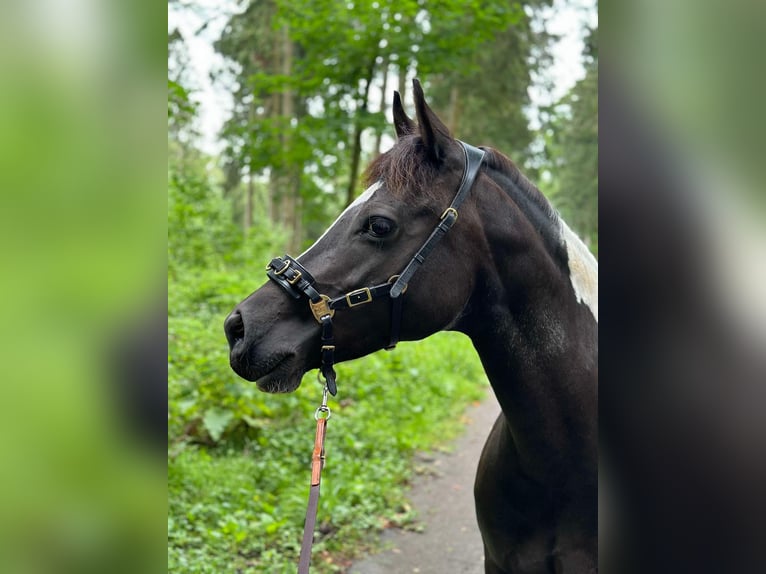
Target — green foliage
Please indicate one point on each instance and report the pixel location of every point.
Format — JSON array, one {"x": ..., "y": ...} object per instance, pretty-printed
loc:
[
  {"x": 304, "y": 72},
  {"x": 483, "y": 93},
  {"x": 241, "y": 505},
  {"x": 200, "y": 382},
  {"x": 180, "y": 107},
  {"x": 200, "y": 229}
]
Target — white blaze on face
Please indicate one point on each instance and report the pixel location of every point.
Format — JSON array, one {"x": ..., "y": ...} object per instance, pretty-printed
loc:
[
  {"x": 583, "y": 269},
  {"x": 358, "y": 201}
]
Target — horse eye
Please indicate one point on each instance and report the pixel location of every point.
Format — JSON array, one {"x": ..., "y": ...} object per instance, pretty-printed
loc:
[{"x": 379, "y": 226}]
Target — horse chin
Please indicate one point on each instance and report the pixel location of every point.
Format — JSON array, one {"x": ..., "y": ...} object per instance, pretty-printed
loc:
[
  {"x": 279, "y": 373},
  {"x": 279, "y": 382},
  {"x": 283, "y": 377}
]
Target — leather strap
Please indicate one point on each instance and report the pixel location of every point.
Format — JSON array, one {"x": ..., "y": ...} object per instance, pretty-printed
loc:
[
  {"x": 308, "y": 531},
  {"x": 396, "y": 322},
  {"x": 297, "y": 281},
  {"x": 317, "y": 463},
  {"x": 360, "y": 296},
  {"x": 473, "y": 159},
  {"x": 328, "y": 355}
]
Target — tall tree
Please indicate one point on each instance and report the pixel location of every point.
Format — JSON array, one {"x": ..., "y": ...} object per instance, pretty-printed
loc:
[
  {"x": 485, "y": 95},
  {"x": 303, "y": 74},
  {"x": 260, "y": 132}
]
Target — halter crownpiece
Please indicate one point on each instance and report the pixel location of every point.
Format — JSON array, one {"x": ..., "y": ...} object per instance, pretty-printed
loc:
[{"x": 289, "y": 274}]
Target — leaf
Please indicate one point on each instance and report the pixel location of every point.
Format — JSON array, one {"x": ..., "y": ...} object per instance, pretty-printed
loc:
[{"x": 215, "y": 421}]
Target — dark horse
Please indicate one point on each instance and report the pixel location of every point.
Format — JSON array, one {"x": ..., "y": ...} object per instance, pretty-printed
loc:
[{"x": 511, "y": 276}]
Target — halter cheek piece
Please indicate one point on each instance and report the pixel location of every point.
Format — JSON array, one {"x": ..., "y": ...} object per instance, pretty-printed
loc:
[{"x": 298, "y": 282}]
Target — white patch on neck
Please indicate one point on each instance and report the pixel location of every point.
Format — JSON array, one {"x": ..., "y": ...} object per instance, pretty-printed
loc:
[
  {"x": 358, "y": 201},
  {"x": 583, "y": 269}
]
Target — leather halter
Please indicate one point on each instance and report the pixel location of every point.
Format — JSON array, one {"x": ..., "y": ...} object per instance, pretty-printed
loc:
[{"x": 289, "y": 274}]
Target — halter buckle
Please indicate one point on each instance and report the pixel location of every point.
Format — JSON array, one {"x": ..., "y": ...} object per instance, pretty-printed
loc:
[
  {"x": 448, "y": 211},
  {"x": 296, "y": 278},
  {"x": 321, "y": 309},
  {"x": 359, "y": 297}
]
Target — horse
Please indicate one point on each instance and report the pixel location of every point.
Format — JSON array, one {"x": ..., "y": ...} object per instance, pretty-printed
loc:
[{"x": 509, "y": 273}]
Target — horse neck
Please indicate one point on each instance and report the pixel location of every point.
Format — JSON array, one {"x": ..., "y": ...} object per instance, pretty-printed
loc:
[{"x": 537, "y": 343}]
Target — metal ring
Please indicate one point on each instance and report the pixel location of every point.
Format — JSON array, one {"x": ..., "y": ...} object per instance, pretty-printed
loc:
[
  {"x": 280, "y": 271},
  {"x": 322, "y": 409},
  {"x": 392, "y": 280}
]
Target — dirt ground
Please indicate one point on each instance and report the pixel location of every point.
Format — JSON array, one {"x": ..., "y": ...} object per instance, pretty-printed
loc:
[{"x": 442, "y": 495}]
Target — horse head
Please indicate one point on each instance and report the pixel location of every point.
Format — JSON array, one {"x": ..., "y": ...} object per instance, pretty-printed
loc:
[{"x": 275, "y": 335}]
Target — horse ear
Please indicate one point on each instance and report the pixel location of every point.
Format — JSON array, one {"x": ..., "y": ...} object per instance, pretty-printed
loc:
[
  {"x": 402, "y": 122},
  {"x": 435, "y": 135}
]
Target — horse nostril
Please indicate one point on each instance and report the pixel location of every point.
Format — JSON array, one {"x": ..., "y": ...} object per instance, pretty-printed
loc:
[{"x": 234, "y": 327}]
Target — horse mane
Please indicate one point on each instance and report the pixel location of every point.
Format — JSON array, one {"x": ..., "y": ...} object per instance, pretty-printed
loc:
[
  {"x": 500, "y": 163},
  {"x": 530, "y": 200}
]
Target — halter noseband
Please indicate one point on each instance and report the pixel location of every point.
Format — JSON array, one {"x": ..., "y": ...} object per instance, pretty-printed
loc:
[{"x": 297, "y": 281}]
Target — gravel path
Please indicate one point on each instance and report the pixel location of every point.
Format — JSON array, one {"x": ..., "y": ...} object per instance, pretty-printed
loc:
[{"x": 443, "y": 498}]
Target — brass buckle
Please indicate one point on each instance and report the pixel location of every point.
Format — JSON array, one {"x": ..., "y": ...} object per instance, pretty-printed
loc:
[
  {"x": 363, "y": 291},
  {"x": 446, "y": 211},
  {"x": 295, "y": 279},
  {"x": 280, "y": 271},
  {"x": 321, "y": 309}
]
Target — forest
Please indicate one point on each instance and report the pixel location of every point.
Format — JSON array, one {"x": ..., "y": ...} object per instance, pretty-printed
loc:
[{"x": 312, "y": 84}]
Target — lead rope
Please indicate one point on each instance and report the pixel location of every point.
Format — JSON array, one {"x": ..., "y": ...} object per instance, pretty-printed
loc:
[{"x": 322, "y": 415}]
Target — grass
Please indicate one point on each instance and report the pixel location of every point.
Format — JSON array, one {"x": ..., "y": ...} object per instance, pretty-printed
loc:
[{"x": 238, "y": 506}]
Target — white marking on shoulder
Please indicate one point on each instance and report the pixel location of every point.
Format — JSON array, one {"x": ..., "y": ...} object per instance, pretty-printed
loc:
[
  {"x": 583, "y": 269},
  {"x": 366, "y": 195}
]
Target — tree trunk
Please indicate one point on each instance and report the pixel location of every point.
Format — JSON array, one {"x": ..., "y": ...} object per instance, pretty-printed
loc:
[
  {"x": 356, "y": 150},
  {"x": 402, "y": 82},
  {"x": 383, "y": 107},
  {"x": 296, "y": 237},
  {"x": 453, "y": 117},
  {"x": 247, "y": 222},
  {"x": 290, "y": 179},
  {"x": 273, "y": 196}
]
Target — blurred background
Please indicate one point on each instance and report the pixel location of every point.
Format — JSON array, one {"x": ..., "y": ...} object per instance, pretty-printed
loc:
[
  {"x": 82, "y": 221},
  {"x": 683, "y": 371},
  {"x": 274, "y": 110}
]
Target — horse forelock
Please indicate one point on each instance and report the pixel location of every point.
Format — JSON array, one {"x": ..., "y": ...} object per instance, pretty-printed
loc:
[{"x": 405, "y": 170}]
